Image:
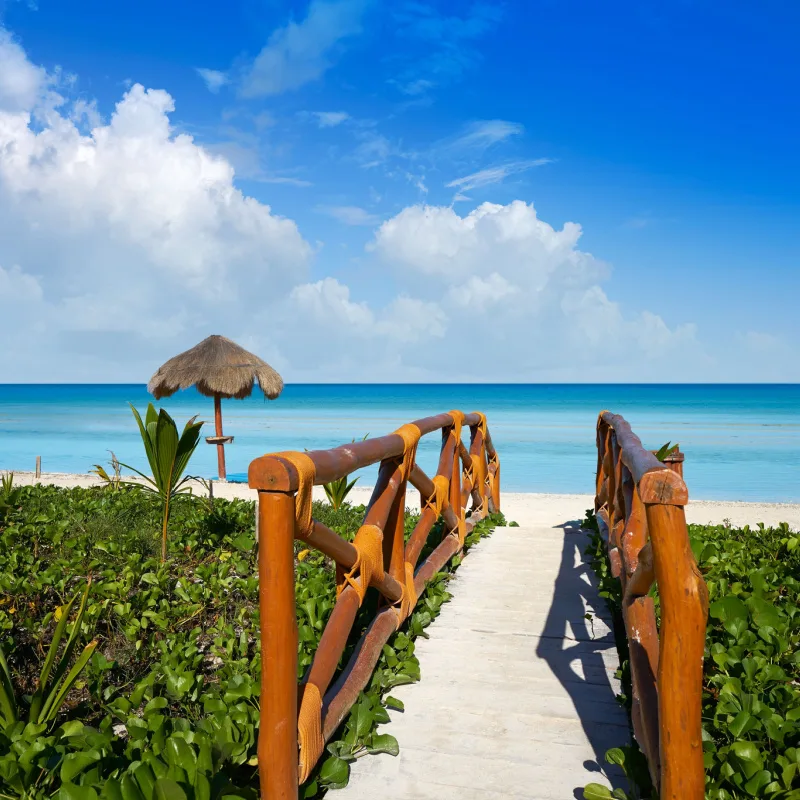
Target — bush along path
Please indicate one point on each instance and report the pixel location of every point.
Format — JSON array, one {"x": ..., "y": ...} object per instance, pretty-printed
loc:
[
  {"x": 751, "y": 698},
  {"x": 167, "y": 702}
]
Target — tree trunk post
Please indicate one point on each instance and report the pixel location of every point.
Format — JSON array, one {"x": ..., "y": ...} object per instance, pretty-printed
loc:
[
  {"x": 277, "y": 739},
  {"x": 218, "y": 430}
]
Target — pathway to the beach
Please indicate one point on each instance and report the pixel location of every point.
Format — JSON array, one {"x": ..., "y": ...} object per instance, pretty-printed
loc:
[{"x": 517, "y": 696}]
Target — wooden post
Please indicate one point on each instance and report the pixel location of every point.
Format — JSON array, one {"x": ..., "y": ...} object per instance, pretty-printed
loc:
[
  {"x": 220, "y": 446},
  {"x": 277, "y": 739},
  {"x": 684, "y": 611},
  {"x": 38, "y": 466}
]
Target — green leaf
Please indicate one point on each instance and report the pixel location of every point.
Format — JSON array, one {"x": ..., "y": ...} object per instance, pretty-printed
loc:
[
  {"x": 69, "y": 791},
  {"x": 764, "y": 613},
  {"x": 75, "y": 763},
  {"x": 167, "y": 789},
  {"x": 728, "y": 609},
  {"x": 393, "y": 702},
  {"x": 739, "y": 723},
  {"x": 384, "y": 743},
  {"x": 335, "y": 773},
  {"x": 596, "y": 791}
]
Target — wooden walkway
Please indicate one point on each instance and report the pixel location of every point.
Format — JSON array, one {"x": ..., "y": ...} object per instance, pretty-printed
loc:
[{"x": 517, "y": 697}]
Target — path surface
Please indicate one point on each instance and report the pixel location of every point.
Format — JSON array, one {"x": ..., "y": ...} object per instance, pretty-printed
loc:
[{"x": 517, "y": 696}]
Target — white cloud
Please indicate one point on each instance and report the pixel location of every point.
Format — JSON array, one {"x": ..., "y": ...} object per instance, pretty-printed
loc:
[
  {"x": 128, "y": 231},
  {"x": 22, "y": 84},
  {"x": 479, "y": 293},
  {"x": 301, "y": 52},
  {"x": 350, "y": 215},
  {"x": 214, "y": 78},
  {"x": 485, "y": 133},
  {"x": 498, "y": 174},
  {"x": 330, "y": 119},
  {"x": 128, "y": 242}
]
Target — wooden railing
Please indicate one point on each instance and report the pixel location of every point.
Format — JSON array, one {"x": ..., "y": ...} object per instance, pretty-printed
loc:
[
  {"x": 639, "y": 505},
  {"x": 296, "y": 724}
]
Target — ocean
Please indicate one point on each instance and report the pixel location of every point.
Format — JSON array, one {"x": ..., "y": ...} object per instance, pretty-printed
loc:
[{"x": 742, "y": 442}]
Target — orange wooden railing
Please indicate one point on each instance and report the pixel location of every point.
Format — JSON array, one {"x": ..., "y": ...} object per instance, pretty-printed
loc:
[
  {"x": 639, "y": 505},
  {"x": 296, "y": 724}
]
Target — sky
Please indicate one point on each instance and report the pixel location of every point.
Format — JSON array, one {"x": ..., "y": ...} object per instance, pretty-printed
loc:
[{"x": 360, "y": 191}]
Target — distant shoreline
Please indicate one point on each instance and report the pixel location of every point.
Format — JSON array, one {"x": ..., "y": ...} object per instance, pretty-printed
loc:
[{"x": 526, "y": 508}]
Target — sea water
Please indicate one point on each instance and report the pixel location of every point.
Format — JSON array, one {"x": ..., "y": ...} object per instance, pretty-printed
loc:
[{"x": 741, "y": 442}]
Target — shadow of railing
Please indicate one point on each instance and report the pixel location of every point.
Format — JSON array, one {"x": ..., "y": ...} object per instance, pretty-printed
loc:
[{"x": 581, "y": 652}]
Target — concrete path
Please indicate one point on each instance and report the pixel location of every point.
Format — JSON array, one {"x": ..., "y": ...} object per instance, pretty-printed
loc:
[{"x": 517, "y": 697}]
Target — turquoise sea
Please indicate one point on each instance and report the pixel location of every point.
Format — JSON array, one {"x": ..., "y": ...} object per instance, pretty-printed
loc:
[{"x": 741, "y": 442}]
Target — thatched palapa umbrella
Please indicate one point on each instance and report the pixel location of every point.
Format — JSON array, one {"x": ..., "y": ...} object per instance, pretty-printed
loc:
[{"x": 218, "y": 368}]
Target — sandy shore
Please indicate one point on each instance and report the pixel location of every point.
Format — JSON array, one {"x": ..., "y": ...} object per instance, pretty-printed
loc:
[{"x": 524, "y": 508}]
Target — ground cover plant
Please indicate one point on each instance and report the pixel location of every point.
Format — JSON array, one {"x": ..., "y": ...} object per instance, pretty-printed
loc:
[
  {"x": 167, "y": 702},
  {"x": 751, "y": 698}
]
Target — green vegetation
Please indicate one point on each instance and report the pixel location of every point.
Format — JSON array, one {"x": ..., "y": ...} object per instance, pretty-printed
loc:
[
  {"x": 337, "y": 491},
  {"x": 168, "y": 456},
  {"x": 167, "y": 703},
  {"x": 666, "y": 450},
  {"x": 751, "y": 698}
]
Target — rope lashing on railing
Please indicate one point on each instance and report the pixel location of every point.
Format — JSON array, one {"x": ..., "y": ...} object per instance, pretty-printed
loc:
[
  {"x": 368, "y": 564},
  {"x": 458, "y": 424},
  {"x": 306, "y": 473},
  {"x": 309, "y": 731},
  {"x": 410, "y": 434},
  {"x": 438, "y": 500}
]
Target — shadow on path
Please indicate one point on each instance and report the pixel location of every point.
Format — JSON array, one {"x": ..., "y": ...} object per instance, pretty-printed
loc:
[{"x": 573, "y": 649}]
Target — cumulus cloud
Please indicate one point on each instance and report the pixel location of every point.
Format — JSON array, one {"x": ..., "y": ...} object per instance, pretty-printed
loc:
[
  {"x": 22, "y": 84},
  {"x": 129, "y": 230},
  {"x": 526, "y": 294},
  {"x": 123, "y": 241},
  {"x": 301, "y": 52}
]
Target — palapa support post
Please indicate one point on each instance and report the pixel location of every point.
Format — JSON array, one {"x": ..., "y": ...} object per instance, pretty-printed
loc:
[
  {"x": 220, "y": 445},
  {"x": 38, "y": 466},
  {"x": 277, "y": 737}
]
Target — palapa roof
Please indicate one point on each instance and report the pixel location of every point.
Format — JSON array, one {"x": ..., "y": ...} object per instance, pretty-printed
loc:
[{"x": 216, "y": 366}]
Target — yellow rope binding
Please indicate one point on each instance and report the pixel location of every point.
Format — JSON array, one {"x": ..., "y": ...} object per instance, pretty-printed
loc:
[
  {"x": 441, "y": 490},
  {"x": 409, "y": 598},
  {"x": 309, "y": 731},
  {"x": 368, "y": 564},
  {"x": 458, "y": 423},
  {"x": 306, "y": 472}
]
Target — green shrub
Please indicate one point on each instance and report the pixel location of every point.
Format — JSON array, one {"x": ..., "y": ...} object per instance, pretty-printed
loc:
[
  {"x": 167, "y": 705},
  {"x": 751, "y": 697}
]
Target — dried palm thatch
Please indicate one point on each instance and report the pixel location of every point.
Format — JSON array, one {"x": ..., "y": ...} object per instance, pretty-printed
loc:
[{"x": 217, "y": 367}]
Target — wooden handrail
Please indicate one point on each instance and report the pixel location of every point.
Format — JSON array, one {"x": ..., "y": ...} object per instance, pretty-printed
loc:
[
  {"x": 639, "y": 504},
  {"x": 468, "y": 473}
]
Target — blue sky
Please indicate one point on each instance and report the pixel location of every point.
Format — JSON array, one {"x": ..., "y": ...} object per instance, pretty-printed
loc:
[{"x": 377, "y": 132}]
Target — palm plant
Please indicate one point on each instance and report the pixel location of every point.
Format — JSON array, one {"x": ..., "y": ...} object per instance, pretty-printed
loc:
[
  {"x": 665, "y": 451},
  {"x": 54, "y": 684},
  {"x": 9, "y": 494},
  {"x": 337, "y": 491},
  {"x": 112, "y": 481},
  {"x": 168, "y": 455}
]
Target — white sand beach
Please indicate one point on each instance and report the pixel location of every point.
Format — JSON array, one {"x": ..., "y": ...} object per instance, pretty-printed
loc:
[{"x": 527, "y": 509}]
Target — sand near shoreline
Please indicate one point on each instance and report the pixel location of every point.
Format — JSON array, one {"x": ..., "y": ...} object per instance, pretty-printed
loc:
[{"x": 523, "y": 508}]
